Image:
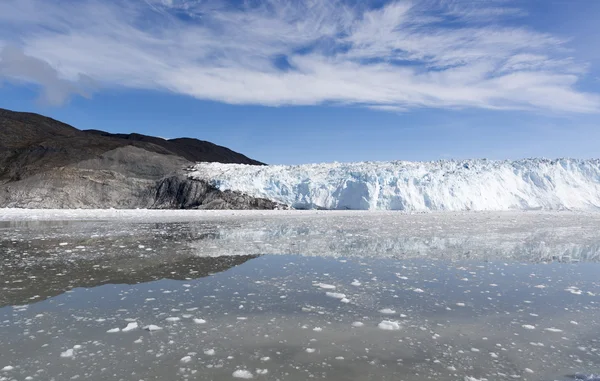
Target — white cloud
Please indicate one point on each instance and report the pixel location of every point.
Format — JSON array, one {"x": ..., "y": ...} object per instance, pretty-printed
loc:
[
  {"x": 15, "y": 66},
  {"x": 401, "y": 56}
]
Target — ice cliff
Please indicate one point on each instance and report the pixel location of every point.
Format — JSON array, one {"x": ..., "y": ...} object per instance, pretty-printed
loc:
[{"x": 416, "y": 186}]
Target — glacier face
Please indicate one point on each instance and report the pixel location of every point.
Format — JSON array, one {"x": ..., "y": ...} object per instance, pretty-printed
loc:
[{"x": 417, "y": 186}]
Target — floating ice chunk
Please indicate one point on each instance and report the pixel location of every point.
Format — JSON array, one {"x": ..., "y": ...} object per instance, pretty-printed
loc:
[
  {"x": 527, "y": 326},
  {"x": 388, "y": 325},
  {"x": 317, "y": 329},
  {"x": 335, "y": 295},
  {"x": 130, "y": 327},
  {"x": 358, "y": 324},
  {"x": 152, "y": 327},
  {"x": 199, "y": 321},
  {"x": 527, "y": 370},
  {"x": 574, "y": 290},
  {"x": 310, "y": 350},
  {"x": 460, "y": 304},
  {"x": 113, "y": 330},
  {"x": 418, "y": 290},
  {"x": 186, "y": 359},
  {"x": 493, "y": 355},
  {"x": 325, "y": 286},
  {"x": 242, "y": 373},
  {"x": 540, "y": 286},
  {"x": 63, "y": 244},
  {"x": 345, "y": 300},
  {"x": 356, "y": 283},
  {"x": 210, "y": 352},
  {"x": 387, "y": 311},
  {"x": 173, "y": 319},
  {"x": 266, "y": 358},
  {"x": 262, "y": 371},
  {"x": 8, "y": 368},
  {"x": 555, "y": 330},
  {"x": 68, "y": 353}
]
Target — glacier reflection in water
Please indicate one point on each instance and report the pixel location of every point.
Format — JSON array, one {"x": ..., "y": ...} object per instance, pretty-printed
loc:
[{"x": 528, "y": 237}]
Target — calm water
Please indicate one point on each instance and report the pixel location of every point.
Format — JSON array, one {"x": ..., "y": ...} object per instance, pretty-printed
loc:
[{"x": 389, "y": 297}]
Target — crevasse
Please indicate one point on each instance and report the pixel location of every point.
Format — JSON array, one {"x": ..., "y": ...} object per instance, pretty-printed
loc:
[{"x": 417, "y": 186}]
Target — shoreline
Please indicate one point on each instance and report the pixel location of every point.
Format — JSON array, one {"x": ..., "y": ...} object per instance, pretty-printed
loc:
[{"x": 18, "y": 214}]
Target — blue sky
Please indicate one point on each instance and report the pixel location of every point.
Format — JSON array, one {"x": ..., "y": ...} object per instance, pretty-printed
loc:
[{"x": 319, "y": 80}]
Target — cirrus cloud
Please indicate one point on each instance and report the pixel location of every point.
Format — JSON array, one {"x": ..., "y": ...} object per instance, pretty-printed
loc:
[{"x": 398, "y": 56}]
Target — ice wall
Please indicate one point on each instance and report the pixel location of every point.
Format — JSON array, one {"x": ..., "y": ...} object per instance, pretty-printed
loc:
[{"x": 417, "y": 186}]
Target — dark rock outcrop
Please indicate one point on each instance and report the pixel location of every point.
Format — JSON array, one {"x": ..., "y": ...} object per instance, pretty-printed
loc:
[
  {"x": 179, "y": 192},
  {"x": 48, "y": 164}
]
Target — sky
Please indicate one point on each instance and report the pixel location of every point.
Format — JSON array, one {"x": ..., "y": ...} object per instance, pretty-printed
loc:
[{"x": 292, "y": 82}]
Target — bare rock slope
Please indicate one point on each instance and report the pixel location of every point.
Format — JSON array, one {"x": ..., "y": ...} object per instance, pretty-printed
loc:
[{"x": 48, "y": 164}]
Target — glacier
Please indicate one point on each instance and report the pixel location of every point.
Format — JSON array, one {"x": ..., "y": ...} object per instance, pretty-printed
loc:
[{"x": 446, "y": 185}]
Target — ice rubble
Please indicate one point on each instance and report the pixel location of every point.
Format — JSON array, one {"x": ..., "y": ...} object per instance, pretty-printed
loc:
[
  {"x": 417, "y": 186},
  {"x": 388, "y": 325},
  {"x": 242, "y": 373}
]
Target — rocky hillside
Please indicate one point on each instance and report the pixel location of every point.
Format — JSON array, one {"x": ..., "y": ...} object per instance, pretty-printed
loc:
[{"x": 48, "y": 164}]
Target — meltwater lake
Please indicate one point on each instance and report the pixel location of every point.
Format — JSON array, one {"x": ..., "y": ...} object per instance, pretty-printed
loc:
[{"x": 292, "y": 295}]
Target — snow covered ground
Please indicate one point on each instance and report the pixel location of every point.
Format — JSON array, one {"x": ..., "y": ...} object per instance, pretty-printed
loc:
[
  {"x": 417, "y": 186},
  {"x": 155, "y": 215}
]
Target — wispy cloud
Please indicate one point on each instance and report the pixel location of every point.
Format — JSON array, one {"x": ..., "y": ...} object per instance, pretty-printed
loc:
[
  {"x": 431, "y": 53},
  {"x": 15, "y": 66}
]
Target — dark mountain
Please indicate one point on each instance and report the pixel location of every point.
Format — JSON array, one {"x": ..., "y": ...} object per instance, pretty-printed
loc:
[
  {"x": 20, "y": 129},
  {"x": 30, "y": 143},
  {"x": 47, "y": 163},
  {"x": 192, "y": 149}
]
